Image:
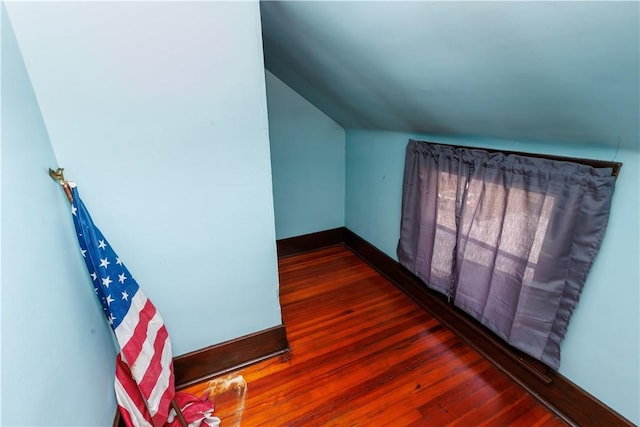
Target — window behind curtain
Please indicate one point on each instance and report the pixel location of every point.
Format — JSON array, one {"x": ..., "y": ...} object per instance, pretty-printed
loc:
[{"x": 508, "y": 238}]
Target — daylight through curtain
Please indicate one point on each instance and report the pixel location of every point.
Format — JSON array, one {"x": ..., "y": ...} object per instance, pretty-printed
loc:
[{"x": 508, "y": 238}]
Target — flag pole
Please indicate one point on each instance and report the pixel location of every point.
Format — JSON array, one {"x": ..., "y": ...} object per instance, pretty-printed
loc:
[
  {"x": 58, "y": 175},
  {"x": 176, "y": 408}
]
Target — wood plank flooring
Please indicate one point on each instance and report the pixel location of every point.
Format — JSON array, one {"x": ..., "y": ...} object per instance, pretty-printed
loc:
[{"x": 364, "y": 354}]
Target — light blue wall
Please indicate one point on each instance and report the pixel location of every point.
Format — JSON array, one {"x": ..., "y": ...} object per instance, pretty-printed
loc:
[
  {"x": 57, "y": 352},
  {"x": 600, "y": 351},
  {"x": 157, "y": 110},
  {"x": 307, "y": 162}
]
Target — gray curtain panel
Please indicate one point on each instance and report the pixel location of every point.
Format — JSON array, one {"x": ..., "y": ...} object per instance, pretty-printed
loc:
[{"x": 508, "y": 238}]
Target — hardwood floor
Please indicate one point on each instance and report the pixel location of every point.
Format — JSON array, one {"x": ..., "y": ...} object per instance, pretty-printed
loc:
[{"x": 364, "y": 354}]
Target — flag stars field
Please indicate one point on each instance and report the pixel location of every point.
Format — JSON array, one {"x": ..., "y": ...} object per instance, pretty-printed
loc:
[
  {"x": 102, "y": 244},
  {"x": 122, "y": 278},
  {"x": 104, "y": 262}
]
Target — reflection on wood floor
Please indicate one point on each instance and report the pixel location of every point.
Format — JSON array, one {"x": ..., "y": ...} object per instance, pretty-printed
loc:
[{"x": 364, "y": 354}]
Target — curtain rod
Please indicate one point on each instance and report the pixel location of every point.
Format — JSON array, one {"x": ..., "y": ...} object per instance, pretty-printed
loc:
[{"x": 615, "y": 166}]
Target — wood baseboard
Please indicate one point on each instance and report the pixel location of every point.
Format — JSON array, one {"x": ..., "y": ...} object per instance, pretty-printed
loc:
[
  {"x": 567, "y": 400},
  {"x": 201, "y": 365},
  {"x": 310, "y": 242}
]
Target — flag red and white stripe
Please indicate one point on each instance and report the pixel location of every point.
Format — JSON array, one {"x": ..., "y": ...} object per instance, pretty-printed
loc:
[{"x": 144, "y": 372}]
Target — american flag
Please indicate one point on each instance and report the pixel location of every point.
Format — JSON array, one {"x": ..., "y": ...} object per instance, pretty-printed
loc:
[{"x": 144, "y": 381}]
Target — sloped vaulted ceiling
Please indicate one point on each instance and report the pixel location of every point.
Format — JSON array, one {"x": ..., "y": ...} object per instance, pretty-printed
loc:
[{"x": 563, "y": 71}]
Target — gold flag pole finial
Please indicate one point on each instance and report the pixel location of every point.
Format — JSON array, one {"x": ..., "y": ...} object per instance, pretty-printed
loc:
[{"x": 58, "y": 175}]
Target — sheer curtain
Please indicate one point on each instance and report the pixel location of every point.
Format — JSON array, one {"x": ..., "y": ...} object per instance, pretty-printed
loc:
[{"x": 508, "y": 238}]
